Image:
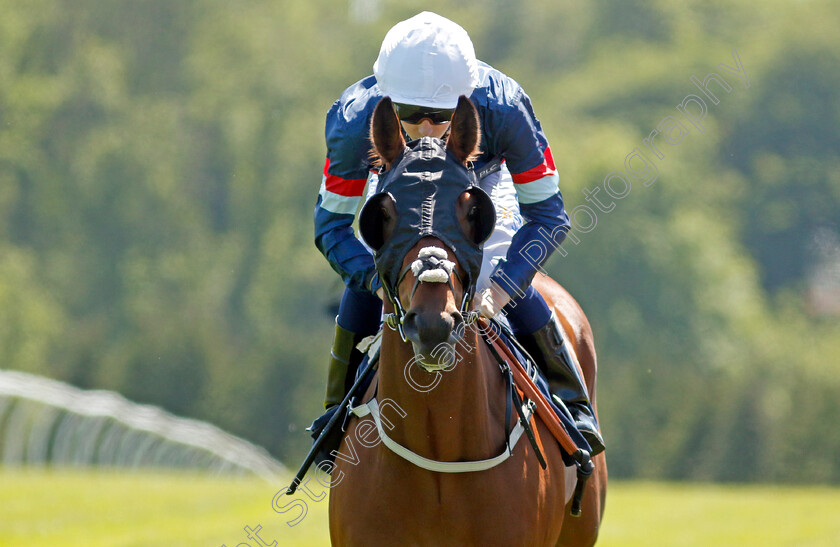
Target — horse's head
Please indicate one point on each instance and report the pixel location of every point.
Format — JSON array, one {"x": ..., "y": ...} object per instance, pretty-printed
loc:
[{"x": 426, "y": 226}]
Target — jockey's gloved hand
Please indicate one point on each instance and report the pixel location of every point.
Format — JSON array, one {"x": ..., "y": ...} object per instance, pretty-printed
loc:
[{"x": 490, "y": 301}]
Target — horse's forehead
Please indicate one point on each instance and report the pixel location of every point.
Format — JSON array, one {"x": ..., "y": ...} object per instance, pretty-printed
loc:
[
  {"x": 424, "y": 173},
  {"x": 426, "y": 155}
]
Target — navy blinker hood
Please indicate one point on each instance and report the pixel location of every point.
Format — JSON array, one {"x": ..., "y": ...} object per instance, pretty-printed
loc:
[{"x": 425, "y": 183}]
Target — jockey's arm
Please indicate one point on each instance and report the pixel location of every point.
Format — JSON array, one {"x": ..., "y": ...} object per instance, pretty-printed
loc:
[
  {"x": 546, "y": 224},
  {"x": 335, "y": 238},
  {"x": 342, "y": 186},
  {"x": 536, "y": 182}
]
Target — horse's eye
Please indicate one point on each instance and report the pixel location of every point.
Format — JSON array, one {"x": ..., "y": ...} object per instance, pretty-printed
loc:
[{"x": 473, "y": 214}]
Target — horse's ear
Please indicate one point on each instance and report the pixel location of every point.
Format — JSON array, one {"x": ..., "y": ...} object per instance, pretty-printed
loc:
[
  {"x": 464, "y": 131},
  {"x": 386, "y": 133}
]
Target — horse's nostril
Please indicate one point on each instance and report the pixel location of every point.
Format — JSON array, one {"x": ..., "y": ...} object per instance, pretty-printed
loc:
[
  {"x": 410, "y": 325},
  {"x": 458, "y": 326}
]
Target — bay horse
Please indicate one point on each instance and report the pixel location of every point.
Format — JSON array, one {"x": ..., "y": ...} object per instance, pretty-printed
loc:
[{"x": 458, "y": 414}]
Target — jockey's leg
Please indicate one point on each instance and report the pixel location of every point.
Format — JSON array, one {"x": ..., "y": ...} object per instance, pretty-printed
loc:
[
  {"x": 358, "y": 316},
  {"x": 537, "y": 326}
]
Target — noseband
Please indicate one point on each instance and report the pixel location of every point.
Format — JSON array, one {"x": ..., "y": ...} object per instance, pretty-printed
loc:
[{"x": 431, "y": 266}]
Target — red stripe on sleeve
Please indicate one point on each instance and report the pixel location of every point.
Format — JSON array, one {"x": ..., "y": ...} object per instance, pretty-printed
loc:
[
  {"x": 544, "y": 169},
  {"x": 343, "y": 187},
  {"x": 549, "y": 158}
]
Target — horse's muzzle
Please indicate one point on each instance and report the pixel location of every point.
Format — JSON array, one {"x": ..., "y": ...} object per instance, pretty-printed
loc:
[{"x": 434, "y": 336}]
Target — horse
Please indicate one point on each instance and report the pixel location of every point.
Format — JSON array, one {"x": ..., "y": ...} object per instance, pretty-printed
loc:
[{"x": 446, "y": 409}]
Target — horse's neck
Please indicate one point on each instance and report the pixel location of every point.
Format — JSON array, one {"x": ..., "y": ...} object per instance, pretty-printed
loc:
[{"x": 449, "y": 416}]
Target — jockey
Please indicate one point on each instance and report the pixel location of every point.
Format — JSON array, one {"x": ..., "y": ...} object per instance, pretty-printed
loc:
[{"x": 424, "y": 65}]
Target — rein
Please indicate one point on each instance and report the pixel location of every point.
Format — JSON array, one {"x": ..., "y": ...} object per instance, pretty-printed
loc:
[{"x": 432, "y": 266}]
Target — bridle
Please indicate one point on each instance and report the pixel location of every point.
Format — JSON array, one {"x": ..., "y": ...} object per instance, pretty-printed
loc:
[
  {"x": 432, "y": 265},
  {"x": 423, "y": 265}
]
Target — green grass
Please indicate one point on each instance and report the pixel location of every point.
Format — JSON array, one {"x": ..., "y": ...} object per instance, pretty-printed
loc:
[
  {"x": 100, "y": 508},
  {"x": 687, "y": 515}
]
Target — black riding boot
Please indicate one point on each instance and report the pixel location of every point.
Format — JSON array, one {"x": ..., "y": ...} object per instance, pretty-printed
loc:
[
  {"x": 565, "y": 380},
  {"x": 344, "y": 360}
]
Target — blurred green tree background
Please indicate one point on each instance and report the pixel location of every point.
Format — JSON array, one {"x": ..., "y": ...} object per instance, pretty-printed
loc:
[{"x": 160, "y": 160}]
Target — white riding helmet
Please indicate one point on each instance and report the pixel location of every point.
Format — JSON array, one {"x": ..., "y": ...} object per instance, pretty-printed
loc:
[{"x": 427, "y": 60}]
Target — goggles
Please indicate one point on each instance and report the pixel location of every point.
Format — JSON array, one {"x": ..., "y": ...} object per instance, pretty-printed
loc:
[{"x": 413, "y": 114}]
